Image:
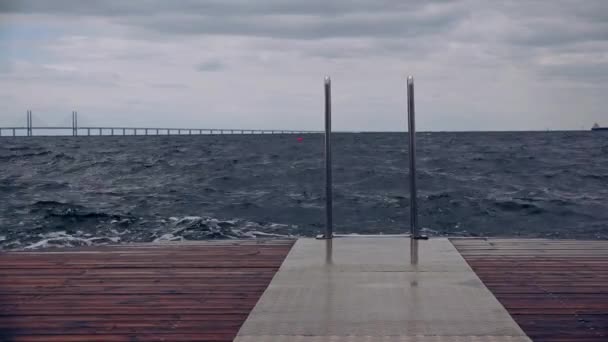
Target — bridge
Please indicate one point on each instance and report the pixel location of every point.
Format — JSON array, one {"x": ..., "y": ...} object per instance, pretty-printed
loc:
[{"x": 75, "y": 130}]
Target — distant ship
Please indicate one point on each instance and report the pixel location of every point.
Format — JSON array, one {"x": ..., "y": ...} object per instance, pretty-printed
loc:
[{"x": 597, "y": 127}]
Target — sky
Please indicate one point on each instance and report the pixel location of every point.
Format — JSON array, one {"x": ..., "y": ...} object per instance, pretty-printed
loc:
[{"x": 477, "y": 64}]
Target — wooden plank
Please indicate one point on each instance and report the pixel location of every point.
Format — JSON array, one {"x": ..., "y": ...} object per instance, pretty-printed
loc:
[
  {"x": 127, "y": 289},
  {"x": 175, "y": 337},
  {"x": 158, "y": 292},
  {"x": 555, "y": 290}
]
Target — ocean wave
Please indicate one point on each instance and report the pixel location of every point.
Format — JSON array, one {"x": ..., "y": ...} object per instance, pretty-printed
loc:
[
  {"x": 21, "y": 156},
  {"x": 54, "y": 209},
  {"x": 207, "y": 228},
  {"x": 64, "y": 239},
  {"x": 469, "y": 183},
  {"x": 519, "y": 205},
  {"x": 188, "y": 228},
  {"x": 62, "y": 156},
  {"x": 602, "y": 177}
]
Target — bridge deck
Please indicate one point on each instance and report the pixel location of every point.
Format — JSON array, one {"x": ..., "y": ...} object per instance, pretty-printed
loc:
[
  {"x": 556, "y": 290},
  {"x": 188, "y": 292},
  {"x": 147, "y": 131}
]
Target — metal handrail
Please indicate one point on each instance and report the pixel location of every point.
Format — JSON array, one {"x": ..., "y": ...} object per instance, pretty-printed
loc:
[
  {"x": 29, "y": 123},
  {"x": 329, "y": 229},
  {"x": 411, "y": 120},
  {"x": 411, "y": 123}
]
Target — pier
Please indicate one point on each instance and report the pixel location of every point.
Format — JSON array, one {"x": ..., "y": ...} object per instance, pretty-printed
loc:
[{"x": 372, "y": 288}]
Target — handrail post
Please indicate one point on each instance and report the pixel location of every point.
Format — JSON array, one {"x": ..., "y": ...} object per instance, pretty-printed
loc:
[
  {"x": 29, "y": 123},
  {"x": 328, "y": 174},
  {"x": 411, "y": 123},
  {"x": 76, "y": 123}
]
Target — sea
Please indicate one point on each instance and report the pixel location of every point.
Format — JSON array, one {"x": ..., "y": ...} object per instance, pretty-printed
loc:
[{"x": 80, "y": 191}]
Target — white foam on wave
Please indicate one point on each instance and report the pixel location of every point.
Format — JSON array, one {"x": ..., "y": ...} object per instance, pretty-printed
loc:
[
  {"x": 174, "y": 229},
  {"x": 169, "y": 237},
  {"x": 189, "y": 228},
  {"x": 256, "y": 234},
  {"x": 63, "y": 239}
]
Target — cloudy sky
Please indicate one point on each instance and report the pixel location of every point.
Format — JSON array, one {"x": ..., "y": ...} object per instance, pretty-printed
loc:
[{"x": 478, "y": 64}]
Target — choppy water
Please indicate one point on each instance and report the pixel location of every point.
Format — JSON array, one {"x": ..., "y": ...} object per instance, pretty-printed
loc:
[{"x": 65, "y": 191}]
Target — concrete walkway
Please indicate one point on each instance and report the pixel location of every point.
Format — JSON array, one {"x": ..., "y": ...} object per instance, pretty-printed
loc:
[{"x": 377, "y": 289}]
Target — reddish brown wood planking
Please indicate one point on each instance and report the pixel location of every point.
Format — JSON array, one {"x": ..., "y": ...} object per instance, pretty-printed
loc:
[
  {"x": 556, "y": 290},
  {"x": 192, "y": 291}
]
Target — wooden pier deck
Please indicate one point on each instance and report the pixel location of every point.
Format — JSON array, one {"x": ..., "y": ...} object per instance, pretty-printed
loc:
[
  {"x": 556, "y": 290},
  {"x": 199, "y": 291}
]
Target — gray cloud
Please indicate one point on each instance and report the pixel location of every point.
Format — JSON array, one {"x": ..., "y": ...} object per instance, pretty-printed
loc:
[
  {"x": 170, "y": 85},
  {"x": 6, "y": 67},
  {"x": 210, "y": 7},
  {"x": 297, "y": 27},
  {"x": 51, "y": 75},
  {"x": 554, "y": 33},
  {"x": 532, "y": 23},
  {"x": 586, "y": 73},
  {"x": 275, "y": 18},
  {"x": 211, "y": 65},
  {"x": 458, "y": 46}
]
